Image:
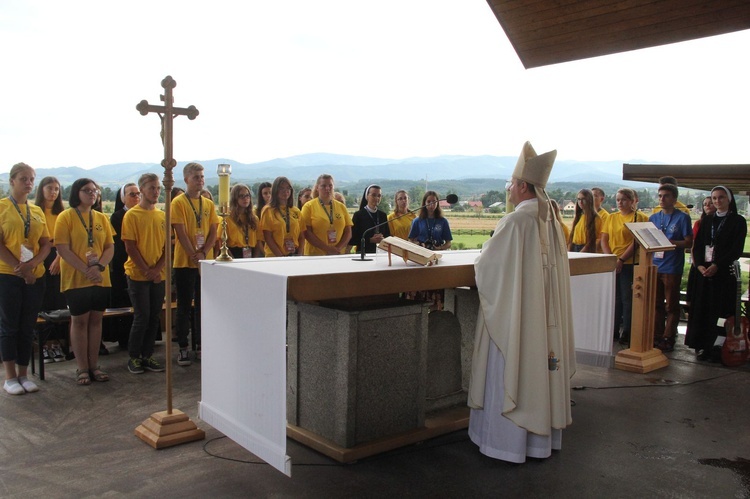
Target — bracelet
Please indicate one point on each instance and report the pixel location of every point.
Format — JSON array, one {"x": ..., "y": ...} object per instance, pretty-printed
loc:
[{"x": 621, "y": 260}]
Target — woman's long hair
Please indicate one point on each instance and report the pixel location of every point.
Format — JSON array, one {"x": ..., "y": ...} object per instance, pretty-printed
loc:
[
  {"x": 299, "y": 196},
  {"x": 261, "y": 199},
  {"x": 395, "y": 203},
  {"x": 275, "y": 193},
  {"x": 703, "y": 209},
  {"x": 591, "y": 217},
  {"x": 241, "y": 216},
  {"x": 423, "y": 211},
  {"x": 57, "y": 204}
]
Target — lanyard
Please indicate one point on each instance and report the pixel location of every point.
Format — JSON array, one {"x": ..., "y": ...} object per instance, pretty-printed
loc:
[
  {"x": 198, "y": 214},
  {"x": 246, "y": 230},
  {"x": 715, "y": 230},
  {"x": 27, "y": 221},
  {"x": 330, "y": 215},
  {"x": 285, "y": 216},
  {"x": 90, "y": 229},
  {"x": 664, "y": 228},
  {"x": 376, "y": 218}
]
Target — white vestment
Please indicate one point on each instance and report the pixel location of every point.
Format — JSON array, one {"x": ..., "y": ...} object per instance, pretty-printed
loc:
[{"x": 524, "y": 354}]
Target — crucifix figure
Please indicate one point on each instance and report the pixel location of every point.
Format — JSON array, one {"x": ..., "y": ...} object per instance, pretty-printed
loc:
[{"x": 167, "y": 428}]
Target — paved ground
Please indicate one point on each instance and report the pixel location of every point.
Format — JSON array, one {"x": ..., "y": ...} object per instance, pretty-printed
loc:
[{"x": 677, "y": 432}]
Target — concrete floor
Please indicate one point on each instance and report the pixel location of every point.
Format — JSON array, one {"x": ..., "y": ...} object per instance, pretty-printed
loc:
[{"x": 677, "y": 432}]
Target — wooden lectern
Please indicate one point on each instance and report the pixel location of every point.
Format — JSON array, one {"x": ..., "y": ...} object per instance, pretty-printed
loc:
[{"x": 642, "y": 357}]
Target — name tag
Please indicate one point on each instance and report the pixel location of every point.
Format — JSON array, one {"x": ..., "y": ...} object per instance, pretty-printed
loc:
[
  {"x": 289, "y": 245},
  {"x": 26, "y": 254},
  {"x": 709, "y": 254},
  {"x": 332, "y": 236}
]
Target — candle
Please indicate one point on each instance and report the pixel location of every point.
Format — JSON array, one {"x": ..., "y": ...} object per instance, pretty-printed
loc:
[{"x": 224, "y": 171}]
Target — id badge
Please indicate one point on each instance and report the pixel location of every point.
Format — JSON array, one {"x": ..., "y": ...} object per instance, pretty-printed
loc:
[
  {"x": 332, "y": 236},
  {"x": 91, "y": 258},
  {"x": 200, "y": 239},
  {"x": 659, "y": 254},
  {"x": 289, "y": 245},
  {"x": 709, "y": 254},
  {"x": 247, "y": 252},
  {"x": 26, "y": 254}
]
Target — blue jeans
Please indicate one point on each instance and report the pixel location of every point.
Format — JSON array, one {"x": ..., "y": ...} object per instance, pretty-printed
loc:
[
  {"x": 19, "y": 307},
  {"x": 188, "y": 283},
  {"x": 147, "y": 298}
]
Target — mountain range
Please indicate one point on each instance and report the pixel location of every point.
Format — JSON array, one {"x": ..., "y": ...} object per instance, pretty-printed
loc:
[{"x": 348, "y": 170}]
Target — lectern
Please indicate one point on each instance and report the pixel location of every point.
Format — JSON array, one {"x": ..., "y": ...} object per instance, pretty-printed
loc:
[{"x": 642, "y": 357}]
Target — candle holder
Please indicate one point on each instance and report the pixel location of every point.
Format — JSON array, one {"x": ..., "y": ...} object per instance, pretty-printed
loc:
[{"x": 224, "y": 171}]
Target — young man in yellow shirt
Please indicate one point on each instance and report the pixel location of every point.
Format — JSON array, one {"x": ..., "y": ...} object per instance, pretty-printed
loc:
[
  {"x": 195, "y": 223},
  {"x": 144, "y": 234}
]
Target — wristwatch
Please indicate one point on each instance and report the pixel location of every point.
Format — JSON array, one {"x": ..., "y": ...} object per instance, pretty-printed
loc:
[{"x": 99, "y": 266}]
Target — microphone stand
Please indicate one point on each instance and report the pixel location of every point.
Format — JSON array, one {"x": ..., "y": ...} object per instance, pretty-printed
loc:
[{"x": 451, "y": 198}]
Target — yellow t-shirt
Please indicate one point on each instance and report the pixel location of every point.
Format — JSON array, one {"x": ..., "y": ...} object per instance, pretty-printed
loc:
[
  {"x": 603, "y": 214},
  {"x": 317, "y": 218},
  {"x": 274, "y": 220},
  {"x": 12, "y": 228},
  {"x": 579, "y": 231},
  {"x": 619, "y": 235},
  {"x": 185, "y": 211},
  {"x": 402, "y": 226},
  {"x": 236, "y": 235},
  {"x": 51, "y": 219},
  {"x": 148, "y": 229},
  {"x": 69, "y": 230}
]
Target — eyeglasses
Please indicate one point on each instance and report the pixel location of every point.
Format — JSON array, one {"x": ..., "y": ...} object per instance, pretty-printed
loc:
[
  {"x": 134, "y": 194},
  {"x": 581, "y": 199},
  {"x": 244, "y": 196},
  {"x": 508, "y": 184},
  {"x": 90, "y": 192}
]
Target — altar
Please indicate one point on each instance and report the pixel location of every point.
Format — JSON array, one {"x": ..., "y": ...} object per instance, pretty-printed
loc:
[{"x": 249, "y": 347}]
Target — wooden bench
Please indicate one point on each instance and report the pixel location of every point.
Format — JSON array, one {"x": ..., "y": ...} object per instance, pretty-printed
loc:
[{"x": 41, "y": 338}]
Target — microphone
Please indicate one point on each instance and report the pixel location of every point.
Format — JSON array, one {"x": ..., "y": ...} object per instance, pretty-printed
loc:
[{"x": 450, "y": 198}]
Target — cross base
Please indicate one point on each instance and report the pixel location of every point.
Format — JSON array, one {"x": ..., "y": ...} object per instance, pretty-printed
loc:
[{"x": 163, "y": 430}]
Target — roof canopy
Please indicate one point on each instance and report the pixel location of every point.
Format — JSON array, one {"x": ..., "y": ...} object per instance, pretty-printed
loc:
[
  {"x": 547, "y": 32},
  {"x": 703, "y": 177}
]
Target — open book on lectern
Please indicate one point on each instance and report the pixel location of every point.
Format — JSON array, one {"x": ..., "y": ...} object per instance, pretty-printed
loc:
[{"x": 648, "y": 236}]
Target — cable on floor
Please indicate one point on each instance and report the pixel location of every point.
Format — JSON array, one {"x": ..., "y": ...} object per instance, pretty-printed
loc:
[{"x": 677, "y": 383}]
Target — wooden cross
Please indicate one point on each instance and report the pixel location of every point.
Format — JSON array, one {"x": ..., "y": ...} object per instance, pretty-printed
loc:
[
  {"x": 167, "y": 428},
  {"x": 167, "y": 112}
]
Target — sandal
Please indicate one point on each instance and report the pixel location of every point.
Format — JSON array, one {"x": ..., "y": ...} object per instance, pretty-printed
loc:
[
  {"x": 82, "y": 377},
  {"x": 99, "y": 375}
]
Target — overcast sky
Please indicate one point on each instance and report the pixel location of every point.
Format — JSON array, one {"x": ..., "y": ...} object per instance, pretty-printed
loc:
[{"x": 393, "y": 79}]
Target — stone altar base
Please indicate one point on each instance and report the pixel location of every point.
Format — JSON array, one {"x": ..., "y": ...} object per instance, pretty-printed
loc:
[{"x": 356, "y": 375}]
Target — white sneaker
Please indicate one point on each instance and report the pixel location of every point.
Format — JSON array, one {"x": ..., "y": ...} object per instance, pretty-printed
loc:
[
  {"x": 13, "y": 387},
  {"x": 28, "y": 385}
]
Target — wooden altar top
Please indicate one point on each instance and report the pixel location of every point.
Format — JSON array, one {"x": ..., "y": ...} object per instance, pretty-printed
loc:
[{"x": 335, "y": 277}]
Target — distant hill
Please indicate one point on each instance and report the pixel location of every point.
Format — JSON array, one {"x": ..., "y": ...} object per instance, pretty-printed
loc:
[{"x": 353, "y": 170}]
